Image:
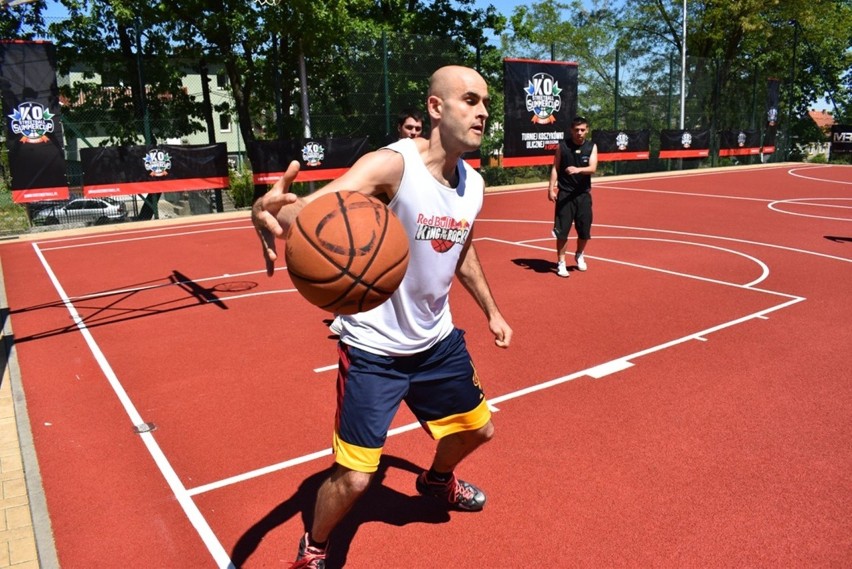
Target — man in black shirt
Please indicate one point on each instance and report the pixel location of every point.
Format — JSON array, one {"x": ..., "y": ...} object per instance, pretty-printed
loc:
[{"x": 570, "y": 189}]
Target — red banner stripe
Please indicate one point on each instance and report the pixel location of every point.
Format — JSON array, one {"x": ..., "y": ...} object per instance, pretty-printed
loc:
[
  {"x": 527, "y": 160},
  {"x": 697, "y": 153},
  {"x": 155, "y": 186},
  {"x": 39, "y": 194},
  {"x": 611, "y": 156},
  {"x": 738, "y": 151}
]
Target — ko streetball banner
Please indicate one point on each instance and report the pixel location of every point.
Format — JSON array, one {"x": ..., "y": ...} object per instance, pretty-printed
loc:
[
  {"x": 540, "y": 101},
  {"x": 153, "y": 169},
  {"x": 841, "y": 140},
  {"x": 33, "y": 131},
  {"x": 622, "y": 144},
  {"x": 739, "y": 142},
  {"x": 319, "y": 158},
  {"x": 685, "y": 143}
]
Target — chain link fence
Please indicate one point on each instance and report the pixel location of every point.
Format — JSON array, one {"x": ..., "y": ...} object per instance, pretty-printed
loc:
[{"x": 358, "y": 92}]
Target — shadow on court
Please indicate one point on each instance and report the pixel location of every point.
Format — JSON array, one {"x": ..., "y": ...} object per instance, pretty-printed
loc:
[
  {"x": 111, "y": 306},
  {"x": 378, "y": 504},
  {"x": 537, "y": 265}
]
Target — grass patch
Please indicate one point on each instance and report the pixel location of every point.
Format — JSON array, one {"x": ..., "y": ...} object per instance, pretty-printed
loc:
[{"x": 13, "y": 217}]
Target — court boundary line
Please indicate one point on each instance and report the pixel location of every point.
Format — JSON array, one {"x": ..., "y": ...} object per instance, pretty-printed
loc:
[{"x": 191, "y": 510}]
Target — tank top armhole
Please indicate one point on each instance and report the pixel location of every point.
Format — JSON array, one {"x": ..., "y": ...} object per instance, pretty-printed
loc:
[{"x": 402, "y": 148}]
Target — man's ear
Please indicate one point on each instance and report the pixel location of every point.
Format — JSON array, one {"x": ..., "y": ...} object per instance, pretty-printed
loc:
[{"x": 434, "y": 105}]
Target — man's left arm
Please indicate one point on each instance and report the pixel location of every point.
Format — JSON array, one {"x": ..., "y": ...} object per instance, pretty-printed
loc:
[
  {"x": 593, "y": 161},
  {"x": 472, "y": 277}
]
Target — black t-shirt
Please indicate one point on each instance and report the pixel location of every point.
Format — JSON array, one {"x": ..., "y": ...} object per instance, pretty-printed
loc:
[{"x": 574, "y": 155}]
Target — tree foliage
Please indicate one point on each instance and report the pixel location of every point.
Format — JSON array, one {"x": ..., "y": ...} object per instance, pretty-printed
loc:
[
  {"x": 363, "y": 60},
  {"x": 277, "y": 57},
  {"x": 733, "y": 47}
]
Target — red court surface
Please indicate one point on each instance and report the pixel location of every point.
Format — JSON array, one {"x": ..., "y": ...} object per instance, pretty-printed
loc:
[{"x": 686, "y": 402}]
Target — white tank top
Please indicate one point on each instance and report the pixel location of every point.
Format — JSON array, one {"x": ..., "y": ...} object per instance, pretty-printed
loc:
[{"x": 437, "y": 219}]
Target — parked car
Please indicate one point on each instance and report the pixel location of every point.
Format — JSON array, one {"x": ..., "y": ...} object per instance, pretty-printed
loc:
[{"x": 96, "y": 211}]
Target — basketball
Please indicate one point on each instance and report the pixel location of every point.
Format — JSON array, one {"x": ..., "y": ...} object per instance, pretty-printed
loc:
[{"x": 346, "y": 252}]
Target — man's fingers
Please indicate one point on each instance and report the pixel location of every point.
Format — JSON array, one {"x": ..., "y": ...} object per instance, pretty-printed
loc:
[
  {"x": 283, "y": 183},
  {"x": 270, "y": 253}
]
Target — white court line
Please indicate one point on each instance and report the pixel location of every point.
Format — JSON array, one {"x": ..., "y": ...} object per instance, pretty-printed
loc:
[
  {"x": 764, "y": 270},
  {"x": 183, "y": 497},
  {"x": 705, "y": 236},
  {"x": 793, "y": 172},
  {"x": 165, "y": 228},
  {"x": 145, "y": 238},
  {"x": 804, "y": 201}
]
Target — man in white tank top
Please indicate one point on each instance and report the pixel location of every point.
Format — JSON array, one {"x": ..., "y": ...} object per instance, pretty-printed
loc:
[{"x": 410, "y": 338}]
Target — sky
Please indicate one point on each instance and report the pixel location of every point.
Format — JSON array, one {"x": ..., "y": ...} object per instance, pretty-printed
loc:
[{"x": 505, "y": 7}]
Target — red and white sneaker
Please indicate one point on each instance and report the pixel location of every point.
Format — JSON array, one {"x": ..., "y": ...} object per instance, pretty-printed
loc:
[
  {"x": 309, "y": 557},
  {"x": 458, "y": 494}
]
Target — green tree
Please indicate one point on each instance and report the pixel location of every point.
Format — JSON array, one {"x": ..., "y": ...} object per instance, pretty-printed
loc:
[
  {"x": 119, "y": 47},
  {"x": 805, "y": 43},
  {"x": 22, "y": 21},
  {"x": 734, "y": 46}
]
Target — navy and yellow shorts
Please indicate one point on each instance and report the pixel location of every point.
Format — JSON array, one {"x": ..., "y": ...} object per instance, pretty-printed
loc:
[{"x": 440, "y": 386}]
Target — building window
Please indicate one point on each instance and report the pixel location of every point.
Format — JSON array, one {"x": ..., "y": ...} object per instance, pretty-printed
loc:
[{"x": 224, "y": 123}]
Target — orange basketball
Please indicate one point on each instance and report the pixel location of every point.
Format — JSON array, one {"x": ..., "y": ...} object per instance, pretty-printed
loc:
[{"x": 346, "y": 252}]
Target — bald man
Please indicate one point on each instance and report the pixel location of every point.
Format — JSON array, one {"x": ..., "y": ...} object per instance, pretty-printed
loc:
[{"x": 408, "y": 349}]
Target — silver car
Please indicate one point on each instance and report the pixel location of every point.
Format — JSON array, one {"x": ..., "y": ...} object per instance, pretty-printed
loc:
[{"x": 96, "y": 211}]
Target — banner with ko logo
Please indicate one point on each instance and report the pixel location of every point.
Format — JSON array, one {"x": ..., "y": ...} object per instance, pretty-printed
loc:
[
  {"x": 153, "y": 169},
  {"x": 33, "y": 130},
  {"x": 540, "y": 101},
  {"x": 320, "y": 158}
]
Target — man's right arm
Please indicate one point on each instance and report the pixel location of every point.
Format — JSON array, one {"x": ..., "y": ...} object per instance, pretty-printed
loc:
[
  {"x": 376, "y": 173},
  {"x": 552, "y": 187}
]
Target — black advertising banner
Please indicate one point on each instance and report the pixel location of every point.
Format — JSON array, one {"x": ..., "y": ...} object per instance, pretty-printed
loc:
[
  {"x": 33, "y": 130},
  {"x": 320, "y": 158},
  {"x": 622, "y": 144},
  {"x": 739, "y": 142},
  {"x": 153, "y": 169},
  {"x": 841, "y": 140},
  {"x": 540, "y": 101},
  {"x": 684, "y": 143}
]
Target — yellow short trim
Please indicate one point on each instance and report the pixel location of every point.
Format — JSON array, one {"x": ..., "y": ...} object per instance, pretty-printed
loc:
[
  {"x": 357, "y": 458},
  {"x": 470, "y": 421}
]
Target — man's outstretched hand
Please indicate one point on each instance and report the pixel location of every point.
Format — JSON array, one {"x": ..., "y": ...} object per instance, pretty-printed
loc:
[{"x": 265, "y": 215}]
